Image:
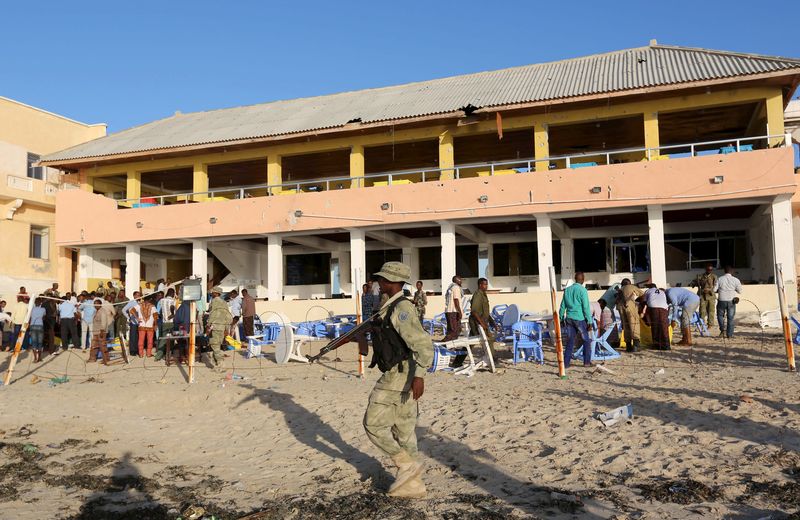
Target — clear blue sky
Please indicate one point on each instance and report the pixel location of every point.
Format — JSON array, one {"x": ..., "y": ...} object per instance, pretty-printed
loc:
[{"x": 127, "y": 63}]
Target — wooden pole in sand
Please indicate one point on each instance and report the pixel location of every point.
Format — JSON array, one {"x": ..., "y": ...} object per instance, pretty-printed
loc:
[
  {"x": 18, "y": 345},
  {"x": 192, "y": 334},
  {"x": 359, "y": 318},
  {"x": 787, "y": 329},
  {"x": 562, "y": 371}
]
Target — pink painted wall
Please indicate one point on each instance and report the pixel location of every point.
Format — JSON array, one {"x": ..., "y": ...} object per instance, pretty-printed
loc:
[{"x": 84, "y": 218}]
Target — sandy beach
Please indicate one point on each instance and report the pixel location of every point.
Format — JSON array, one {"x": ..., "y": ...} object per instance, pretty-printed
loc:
[{"x": 715, "y": 434}]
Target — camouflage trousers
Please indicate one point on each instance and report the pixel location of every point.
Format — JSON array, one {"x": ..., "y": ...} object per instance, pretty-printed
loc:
[
  {"x": 215, "y": 343},
  {"x": 390, "y": 421}
]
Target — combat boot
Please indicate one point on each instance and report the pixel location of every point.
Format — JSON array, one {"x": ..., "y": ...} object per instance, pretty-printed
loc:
[
  {"x": 413, "y": 488},
  {"x": 633, "y": 346},
  {"x": 407, "y": 469}
]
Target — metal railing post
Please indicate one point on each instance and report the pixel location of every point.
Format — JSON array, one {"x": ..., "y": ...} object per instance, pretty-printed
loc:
[
  {"x": 491, "y": 170},
  {"x": 568, "y": 161},
  {"x": 691, "y": 150}
]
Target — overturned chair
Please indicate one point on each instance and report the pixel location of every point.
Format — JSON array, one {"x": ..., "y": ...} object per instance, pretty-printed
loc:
[
  {"x": 601, "y": 348},
  {"x": 444, "y": 352}
]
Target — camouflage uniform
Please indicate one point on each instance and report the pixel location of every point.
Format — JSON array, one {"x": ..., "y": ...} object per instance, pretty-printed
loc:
[
  {"x": 391, "y": 415},
  {"x": 705, "y": 290},
  {"x": 630, "y": 312},
  {"x": 219, "y": 318},
  {"x": 392, "y": 412},
  {"x": 420, "y": 302}
]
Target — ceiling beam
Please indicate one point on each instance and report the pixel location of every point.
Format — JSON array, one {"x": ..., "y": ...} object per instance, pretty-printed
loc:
[
  {"x": 390, "y": 238},
  {"x": 314, "y": 242},
  {"x": 560, "y": 228},
  {"x": 472, "y": 233}
]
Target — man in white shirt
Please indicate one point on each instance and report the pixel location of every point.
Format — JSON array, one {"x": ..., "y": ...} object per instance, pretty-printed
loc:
[
  {"x": 131, "y": 312},
  {"x": 235, "y": 305},
  {"x": 452, "y": 311},
  {"x": 69, "y": 329},
  {"x": 727, "y": 287}
]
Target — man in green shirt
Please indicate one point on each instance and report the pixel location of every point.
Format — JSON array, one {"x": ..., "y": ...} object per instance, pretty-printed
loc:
[
  {"x": 480, "y": 316},
  {"x": 576, "y": 316}
]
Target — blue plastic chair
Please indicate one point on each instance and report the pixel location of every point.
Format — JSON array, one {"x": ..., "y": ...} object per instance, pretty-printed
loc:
[
  {"x": 745, "y": 147},
  {"x": 796, "y": 338},
  {"x": 601, "y": 348},
  {"x": 437, "y": 323},
  {"x": 699, "y": 325},
  {"x": 527, "y": 341}
]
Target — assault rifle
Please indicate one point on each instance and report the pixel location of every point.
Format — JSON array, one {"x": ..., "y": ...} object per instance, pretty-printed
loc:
[{"x": 356, "y": 331}]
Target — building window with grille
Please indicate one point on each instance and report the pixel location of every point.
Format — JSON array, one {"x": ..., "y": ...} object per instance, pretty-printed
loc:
[
  {"x": 34, "y": 172},
  {"x": 689, "y": 251},
  {"x": 39, "y": 242}
]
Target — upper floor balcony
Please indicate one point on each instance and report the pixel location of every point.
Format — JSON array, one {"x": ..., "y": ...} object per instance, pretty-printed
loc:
[
  {"x": 310, "y": 183},
  {"x": 699, "y": 171}
]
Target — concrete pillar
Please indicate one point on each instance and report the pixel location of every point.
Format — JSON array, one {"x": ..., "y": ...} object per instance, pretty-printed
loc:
[
  {"x": 411, "y": 259},
  {"x": 651, "y": 139},
  {"x": 544, "y": 244},
  {"x": 357, "y": 166},
  {"x": 541, "y": 146},
  {"x": 446, "y": 156},
  {"x": 64, "y": 279},
  {"x": 200, "y": 180},
  {"x": 658, "y": 261},
  {"x": 200, "y": 264},
  {"x": 274, "y": 268},
  {"x": 133, "y": 186},
  {"x": 358, "y": 259},
  {"x": 485, "y": 262},
  {"x": 133, "y": 269},
  {"x": 567, "y": 259},
  {"x": 263, "y": 272},
  {"x": 775, "y": 125},
  {"x": 274, "y": 173},
  {"x": 448, "y": 239},
  {"x": 783, "y": 244},
  {"x": 85, "y": 260}
]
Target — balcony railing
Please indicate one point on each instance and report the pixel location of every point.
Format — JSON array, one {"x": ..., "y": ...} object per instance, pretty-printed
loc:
[{"x": 483, "y": 169}]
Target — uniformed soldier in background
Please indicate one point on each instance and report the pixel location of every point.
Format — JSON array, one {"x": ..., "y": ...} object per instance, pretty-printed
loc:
[
  {"x": 219, "y": 319},
  {"x": 628, "y": 305},
  {"x": 705, "y": 283},
  {"x": 404, "y": 352}
]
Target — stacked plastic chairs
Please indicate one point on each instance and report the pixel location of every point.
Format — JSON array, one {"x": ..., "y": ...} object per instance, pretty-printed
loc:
[{"x": 527, "y": 341}]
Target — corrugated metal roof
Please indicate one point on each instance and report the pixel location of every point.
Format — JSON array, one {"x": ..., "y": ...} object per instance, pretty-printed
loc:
[{"x": 627, "y": 69}]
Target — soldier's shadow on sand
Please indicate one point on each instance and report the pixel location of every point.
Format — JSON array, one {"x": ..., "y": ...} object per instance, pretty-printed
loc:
[
  {"x": 126, "y": 496},
  {"x": 308, "y": 428}
]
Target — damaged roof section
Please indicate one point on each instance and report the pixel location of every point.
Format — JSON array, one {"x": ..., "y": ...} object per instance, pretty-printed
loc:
[{"x": 629, "y": 69}]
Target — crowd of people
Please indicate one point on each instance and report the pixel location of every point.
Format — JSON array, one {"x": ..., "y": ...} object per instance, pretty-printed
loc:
[{"x": 89, "y": 320}]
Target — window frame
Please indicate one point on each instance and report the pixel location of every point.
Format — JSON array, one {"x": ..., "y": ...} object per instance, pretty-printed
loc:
[
  {"x": 43, "y": 232},
  {"x": 32, "y": 170}
]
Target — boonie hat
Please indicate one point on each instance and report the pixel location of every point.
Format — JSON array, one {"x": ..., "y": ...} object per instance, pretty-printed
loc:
[
  {"x": 395, "y": 272},
  {"x": 217, "y": 289}
]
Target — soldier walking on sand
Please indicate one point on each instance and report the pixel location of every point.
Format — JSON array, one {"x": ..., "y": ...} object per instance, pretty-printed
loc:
[
  {"x": 403, "y": 351},
  {"x": 219, "y": 319}
]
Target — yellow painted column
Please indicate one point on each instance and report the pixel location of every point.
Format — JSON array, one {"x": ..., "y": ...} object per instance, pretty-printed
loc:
[
  {"x": 775, "y": 117},
  {"x": 357, "y": 168},
  {"x": 541, "y": 146},
  {"x": 274, "y": 173},
  {"x": 446, "y": 155},
  {"x": 200, "y": 181},
  {"x": 651, "y": 139},
  {"x": 133, "y": 188},
  {"x": 87, "y": 183}
]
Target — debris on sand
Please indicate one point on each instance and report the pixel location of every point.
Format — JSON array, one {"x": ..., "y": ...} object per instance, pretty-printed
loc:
[
  {"x": 686, "y": 491},
  {"x": 786, "y": 494}
]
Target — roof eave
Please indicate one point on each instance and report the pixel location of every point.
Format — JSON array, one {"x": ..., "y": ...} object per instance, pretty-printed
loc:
[{"x": 97, "y": 160}]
